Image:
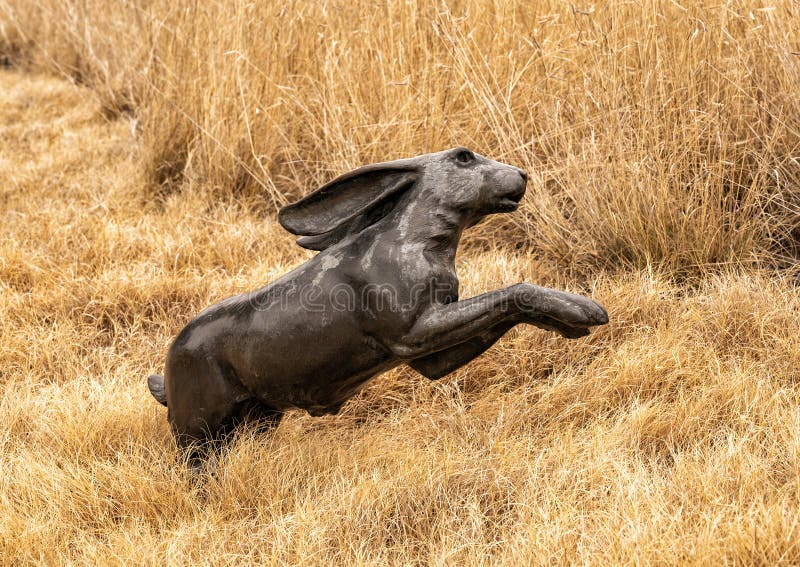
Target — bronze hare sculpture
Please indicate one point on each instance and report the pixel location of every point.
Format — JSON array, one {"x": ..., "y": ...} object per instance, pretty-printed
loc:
[{"x": 382, "y": 291}]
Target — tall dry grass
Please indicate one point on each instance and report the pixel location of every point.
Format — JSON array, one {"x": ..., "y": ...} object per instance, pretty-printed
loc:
[
  {"x": 658, "y": 133},
  {"x": 662, "y": 140}
]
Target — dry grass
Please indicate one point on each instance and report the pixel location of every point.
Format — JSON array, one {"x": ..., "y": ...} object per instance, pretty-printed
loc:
[{"x": 663, "y": 141}]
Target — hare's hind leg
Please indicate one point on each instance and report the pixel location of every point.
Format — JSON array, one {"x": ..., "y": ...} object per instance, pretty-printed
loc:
[{"x": 206, "y": 403}]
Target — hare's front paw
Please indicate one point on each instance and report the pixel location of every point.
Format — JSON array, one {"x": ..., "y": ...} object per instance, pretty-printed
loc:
[{"x": 565, "y": 313}]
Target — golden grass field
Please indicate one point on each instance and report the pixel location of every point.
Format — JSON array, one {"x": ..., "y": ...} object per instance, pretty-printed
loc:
[{"x": 144, "y": 150}]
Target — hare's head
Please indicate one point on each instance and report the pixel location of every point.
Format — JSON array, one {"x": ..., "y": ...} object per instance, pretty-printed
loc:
[
  {"x": 462, "y": 180},
  {"x": 453, "y": 181}
]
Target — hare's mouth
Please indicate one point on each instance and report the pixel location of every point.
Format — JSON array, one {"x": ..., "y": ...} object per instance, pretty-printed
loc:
[{"x": 510, "y": 202}]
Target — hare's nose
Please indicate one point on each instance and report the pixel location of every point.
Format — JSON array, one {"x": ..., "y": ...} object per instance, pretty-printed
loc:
[{"x": 523, "y": 175}]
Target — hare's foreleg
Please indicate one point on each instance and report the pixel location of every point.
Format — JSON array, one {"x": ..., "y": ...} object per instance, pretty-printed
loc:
[
  {"x": 471, "y": 322},
  {"x": 442, "y": 363}
]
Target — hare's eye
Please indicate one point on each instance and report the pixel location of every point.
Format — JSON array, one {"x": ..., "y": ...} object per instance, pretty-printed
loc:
[{"x": 465, "y": 156}]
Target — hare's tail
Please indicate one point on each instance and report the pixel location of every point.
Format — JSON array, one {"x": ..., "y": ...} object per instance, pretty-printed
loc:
[{"x": 156, "y": 384}]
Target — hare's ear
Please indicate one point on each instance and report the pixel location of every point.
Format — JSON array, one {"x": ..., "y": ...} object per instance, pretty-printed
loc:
[{"x": 341, "y": 202}]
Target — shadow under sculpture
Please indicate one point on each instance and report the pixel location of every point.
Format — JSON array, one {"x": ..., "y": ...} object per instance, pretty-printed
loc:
[{"x": 382, "y": 291}]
